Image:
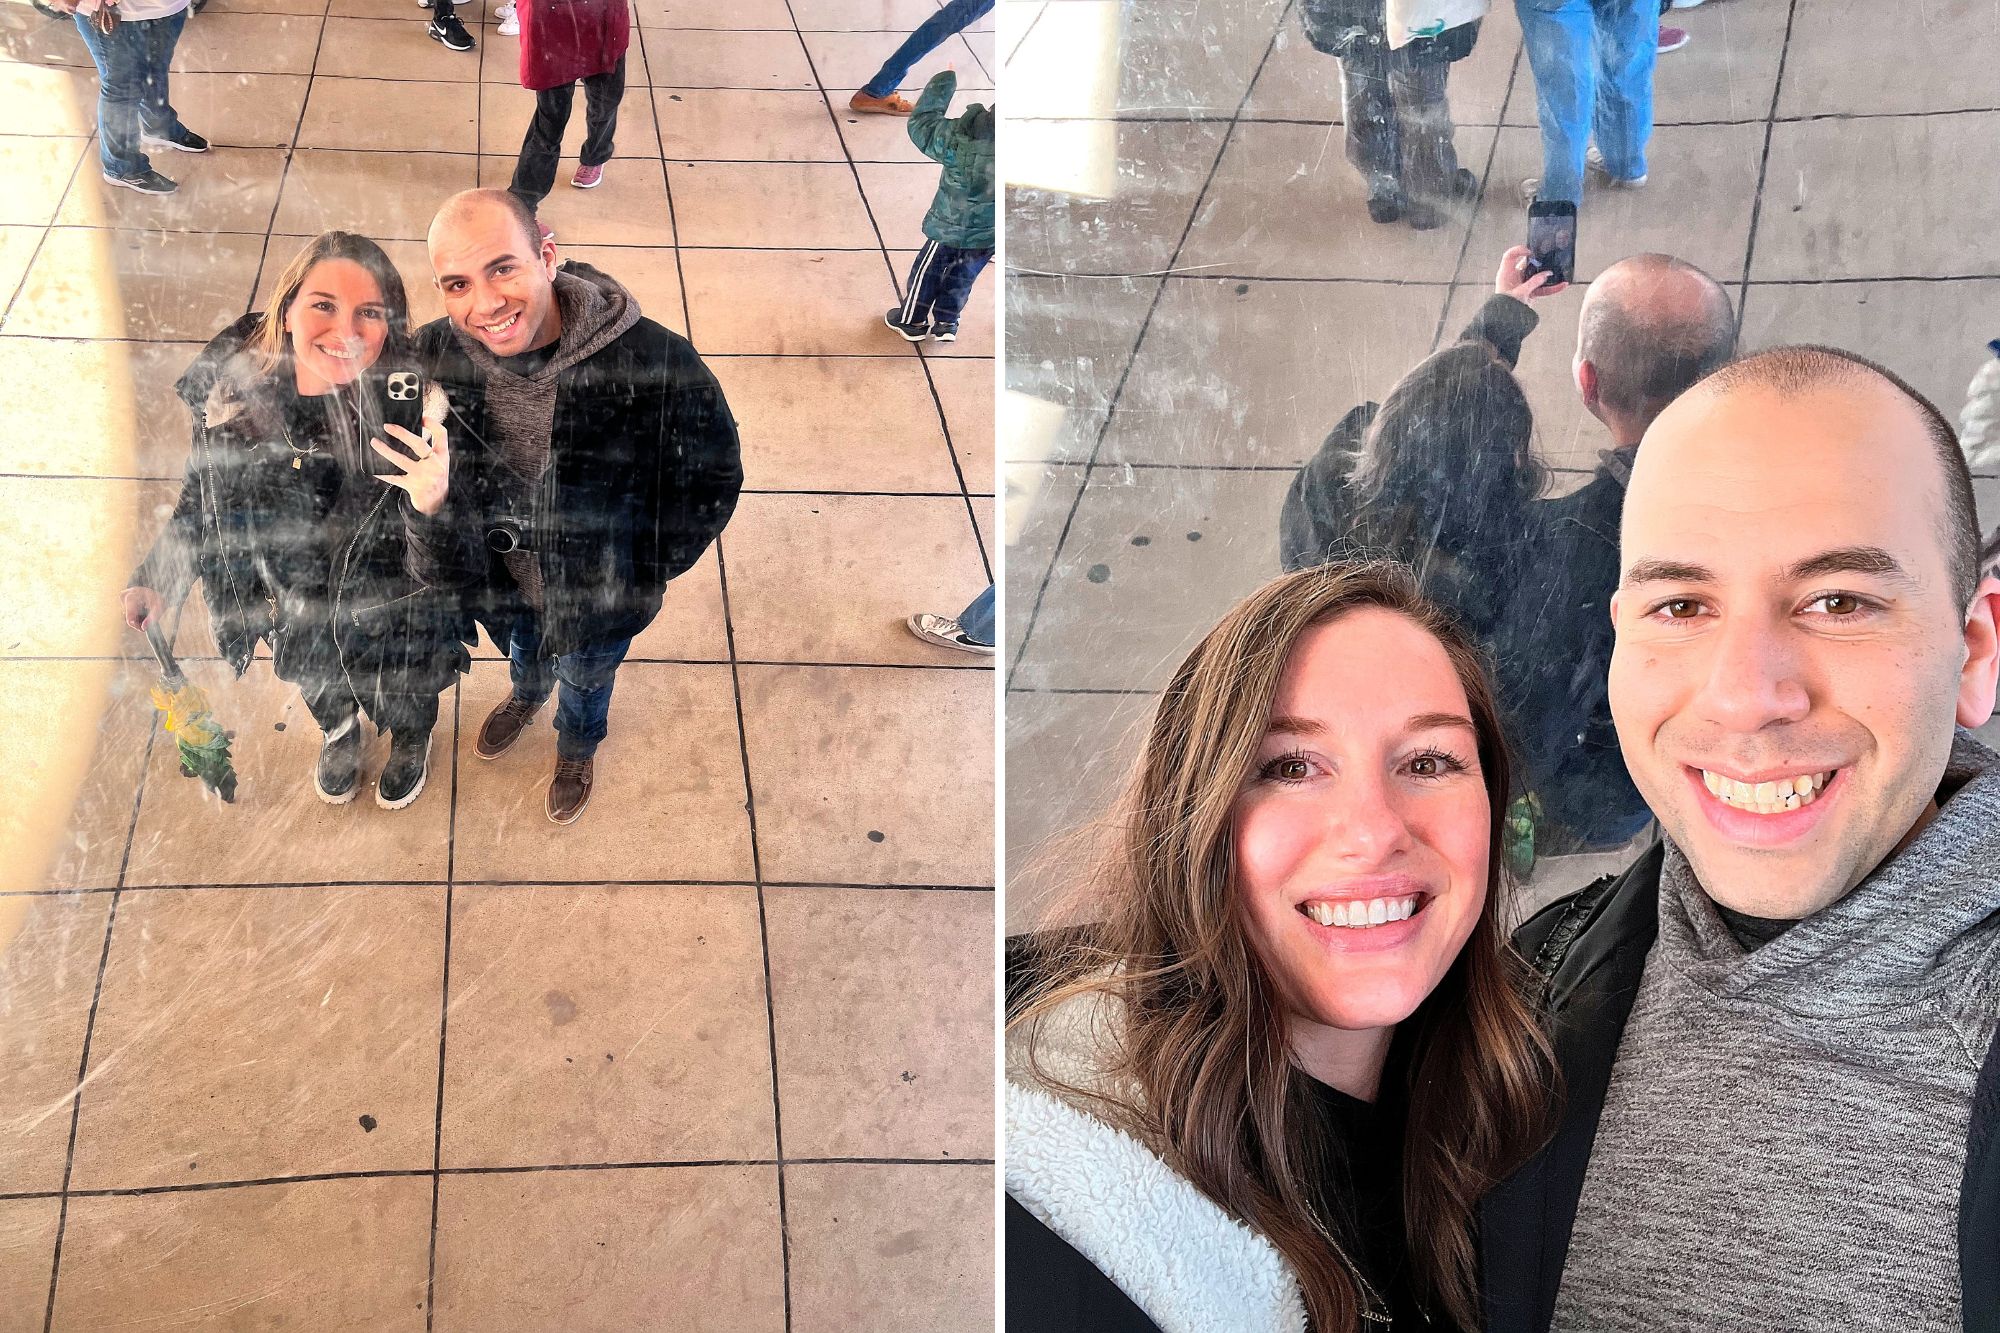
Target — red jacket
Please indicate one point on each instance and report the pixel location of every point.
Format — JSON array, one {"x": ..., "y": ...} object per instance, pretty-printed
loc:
[{"x": 566, "y": 40}]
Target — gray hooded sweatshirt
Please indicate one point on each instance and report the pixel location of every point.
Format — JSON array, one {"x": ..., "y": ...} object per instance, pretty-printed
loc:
[{"x": 1785, "y": 1130}]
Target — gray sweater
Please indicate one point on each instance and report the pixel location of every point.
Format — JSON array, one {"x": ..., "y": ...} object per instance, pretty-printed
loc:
[{"x": 1784, "y": 1132}]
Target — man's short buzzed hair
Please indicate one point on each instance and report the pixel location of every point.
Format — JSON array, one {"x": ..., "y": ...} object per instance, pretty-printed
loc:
[
  {"x": 516, "y": 207},
  {"x": 1646, "y": 357},
  {"x": 1793, "y": 370}
]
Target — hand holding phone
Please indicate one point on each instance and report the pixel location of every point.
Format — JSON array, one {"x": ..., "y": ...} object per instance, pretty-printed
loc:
[{"x": 1552, "y": 239}]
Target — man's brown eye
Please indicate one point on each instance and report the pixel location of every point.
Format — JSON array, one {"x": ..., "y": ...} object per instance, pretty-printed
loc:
[
  {"x": 1681, "y": 608},
  {"x": 1840, "y": 604}
]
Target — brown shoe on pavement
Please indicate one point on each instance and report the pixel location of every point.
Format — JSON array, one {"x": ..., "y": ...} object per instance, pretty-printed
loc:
[
  {"x": 504, "y": 725},
  {"x": 892, "y": 105},
  {"x": 569, "y": 790}
]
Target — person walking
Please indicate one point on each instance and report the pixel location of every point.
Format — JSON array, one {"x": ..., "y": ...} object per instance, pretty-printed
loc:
[
  {"x": 959, "y": 224},
  {"x": 970, "y": 631},
  {"x": 1593, "y": 63},
  {"x": 132, "y": 44},
  {"x": 564, "y": 43},
  {"x": 879, "y": 93}
]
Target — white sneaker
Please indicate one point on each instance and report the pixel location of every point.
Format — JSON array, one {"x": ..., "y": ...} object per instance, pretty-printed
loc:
[
  {"x": 1689, "y": 4},
  {"x": 510, "y": 21},
  {"x": 945, "y": 633}
]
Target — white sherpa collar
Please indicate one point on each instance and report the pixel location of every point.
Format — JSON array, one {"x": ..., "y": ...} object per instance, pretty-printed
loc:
[{"x": 1181, "y": 1258}]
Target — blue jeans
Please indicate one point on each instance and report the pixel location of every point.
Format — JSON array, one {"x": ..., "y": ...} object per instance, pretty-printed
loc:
[
  {"x": 1593, "y": 63},
  {"x": 954, "y": 17},
  {"x": 132, "y": 95},
  {"x": 977, "y": 619},
  {"x": 583, "y": 709}
]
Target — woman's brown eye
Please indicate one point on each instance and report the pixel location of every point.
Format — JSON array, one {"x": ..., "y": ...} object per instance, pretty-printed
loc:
[
  {"x": 1424, "y": 766},
  {"x": 1292, "y": 770}
]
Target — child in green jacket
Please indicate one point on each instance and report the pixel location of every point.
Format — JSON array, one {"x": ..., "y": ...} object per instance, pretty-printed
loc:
[{"x": 960, "y": 222}]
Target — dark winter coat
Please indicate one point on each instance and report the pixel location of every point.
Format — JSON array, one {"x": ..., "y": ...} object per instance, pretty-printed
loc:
[
  {"x": 296, "y": 555},
  {"x": 644, "y": 471},
  {"x": 1591, "y": 948},
  {"x": 566, "y": 40},
  {"x": 1471, "y": 567},
  {"x": 1560, "y": 666},
  {"x": 1338, "y": 26},
  {"x": 961, "y": 213}
]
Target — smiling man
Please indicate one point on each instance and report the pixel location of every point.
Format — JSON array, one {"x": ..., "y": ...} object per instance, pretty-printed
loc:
[
  {"x": 593, "y": 459},
  {"x": 1777, "y": 1029}
]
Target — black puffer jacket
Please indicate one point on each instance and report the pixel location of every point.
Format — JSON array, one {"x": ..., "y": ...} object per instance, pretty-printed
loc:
[
  {"x": 1338, "y": 26},
  {"x": 293, "y": 542},
  {"x": 644, "y": 472}
]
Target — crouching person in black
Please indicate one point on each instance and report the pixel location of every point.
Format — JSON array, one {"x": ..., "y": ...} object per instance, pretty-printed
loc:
[
  {"x": 596, "y": 460},
  {"x": 292, "y": 539}
]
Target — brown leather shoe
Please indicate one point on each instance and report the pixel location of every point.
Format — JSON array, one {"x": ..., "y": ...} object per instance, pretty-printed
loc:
[
  {"x": 569, "y": 790},
  {"x": 504, "y": 725},
  {"x": 892, "y": 105}
]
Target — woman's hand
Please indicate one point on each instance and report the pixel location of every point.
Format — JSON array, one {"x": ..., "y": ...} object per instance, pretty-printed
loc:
[
  {"x": 142, "y": 606},
  {"x": 426, "y": 477},
  {"x": 1512, "y": 281}
]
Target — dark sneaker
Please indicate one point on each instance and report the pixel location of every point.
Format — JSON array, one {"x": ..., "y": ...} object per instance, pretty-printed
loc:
[
  {"x": 402, "y": 779},
  {"x": 1464, "y": 184},
  {"x": 945, "y": 633},
  {"x": 569, "y": 790},
  {"x": 447, "y": 29},
  {"x": 1384, "y": 207},
  {"x": 504, "y": 725},
  {"x": 1423, "y": 217},
  {"x": 911, "y": 332},
  {"x": 146, "y": 182},
  {"x": 944, "y": 333},
  {"x": 186, "y": 142},
  {"x": 337, "y": 777}
]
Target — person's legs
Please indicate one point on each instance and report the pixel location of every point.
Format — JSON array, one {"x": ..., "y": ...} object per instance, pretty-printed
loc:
[
  {"x": 541, "y": 149},
  {"x": 337, "y": 773},
  {"x": 915, "y": 311},
  {"x": 1369, "y": 126},
  {"x": 583, "y": 705},
  {"x": 977, "y": 618},
  {"x": 533, "y": 676},
  {"x": 601, "y": 95},
  {"x": 156, "y": 113},
  {"x": 952, "y": 283},
  {"x": 1561, "y": 37},
  {"x": 1423, "y": 123},
  {"x": 1628, "y": 46},
  {"x": 954, "y": 17},
  {"x": 120, "y": 61}
]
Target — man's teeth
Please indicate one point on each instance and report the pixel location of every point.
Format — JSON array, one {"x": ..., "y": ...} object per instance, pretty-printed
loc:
[
  {"x": 1358, "y": 913},
  {"x": 1768, "y": 798},
  {"x": 503, "y": 325}
]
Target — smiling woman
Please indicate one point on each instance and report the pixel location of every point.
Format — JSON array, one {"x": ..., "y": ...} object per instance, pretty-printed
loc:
[{"x": 1300, "y": 1017}]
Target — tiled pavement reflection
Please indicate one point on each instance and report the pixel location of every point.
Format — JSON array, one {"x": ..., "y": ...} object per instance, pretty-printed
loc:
[
  {"x": 451, "y": 1067},
  {"x": 1196, "y": 295}
]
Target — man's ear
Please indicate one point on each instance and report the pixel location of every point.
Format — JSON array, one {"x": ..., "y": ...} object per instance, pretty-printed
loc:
[
  {"x": 1586, "y": 382},
  {"x": 1982, "y": 655}
]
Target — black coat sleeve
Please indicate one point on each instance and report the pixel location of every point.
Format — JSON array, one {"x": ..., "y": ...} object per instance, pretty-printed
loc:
[
  {"x": 698, "y": 471},
  {"x": 1505, "y": 323}
]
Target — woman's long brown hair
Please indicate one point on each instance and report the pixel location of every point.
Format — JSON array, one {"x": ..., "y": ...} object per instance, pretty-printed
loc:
[
  {"x": 269, "y": 340},
  {"x": 1204, "y": 1037}
]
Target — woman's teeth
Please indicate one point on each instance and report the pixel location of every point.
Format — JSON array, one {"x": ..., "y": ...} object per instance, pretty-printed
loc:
[
  {"x": 1768, "y": 798},
  {"x": 336, "y": 353},
  {"x": 1359, "y": 914}
]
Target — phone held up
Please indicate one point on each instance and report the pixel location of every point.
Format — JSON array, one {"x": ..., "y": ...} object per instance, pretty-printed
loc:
[
  {"x": 393, "y": 395},
  {"x": 1552, "y": 239}
]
